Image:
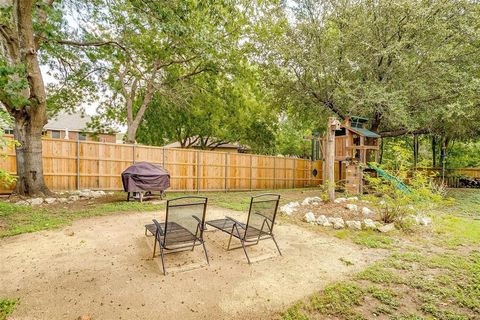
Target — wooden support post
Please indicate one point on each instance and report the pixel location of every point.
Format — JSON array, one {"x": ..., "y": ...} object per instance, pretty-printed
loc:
[
  {"x": 198, "y": 171},
  {"x": 329, "y": 173},
  {"x": 133, "y": 153},
  {"x": 274, "y": 173},
  {"x": 163, "y": 157},
  {"x": 251, "y": 172},
  {"x": 78, "y": 165},
  {"x": 294, "y": 171},
  {"x": 98, "y": 166},
  {"x": 226, "y": 172}
]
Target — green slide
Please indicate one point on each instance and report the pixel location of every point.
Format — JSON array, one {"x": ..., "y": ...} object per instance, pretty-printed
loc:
[{"x": 396, "y": 181}]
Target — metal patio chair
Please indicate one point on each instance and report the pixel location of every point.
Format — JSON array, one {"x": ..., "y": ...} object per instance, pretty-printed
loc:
[
  {"x": 259, "y": 226},
  {"x": 183, "y": 227}
]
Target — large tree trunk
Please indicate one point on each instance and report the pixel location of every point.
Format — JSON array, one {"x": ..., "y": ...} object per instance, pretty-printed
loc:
[
  {"x": 29, "y": 117},
  {"x": 131, "y": 133},
  {"x": 28, "y": 132}
]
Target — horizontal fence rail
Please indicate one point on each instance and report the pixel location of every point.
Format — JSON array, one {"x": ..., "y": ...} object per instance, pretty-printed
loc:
[{"x": 70, "y": 165}]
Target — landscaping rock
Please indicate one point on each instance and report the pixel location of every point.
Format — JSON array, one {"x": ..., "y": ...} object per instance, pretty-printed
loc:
[
  {"x": 35, "y": 201},
  {"x": 340, "y": 200},
  {"x": 387, "y": 228},
  {"x": 89, "y": 194},
  {"x": 327, "y": 224},
  {"x": 338, "y": 223},
  {"x": 73, "y": 198},
  {"x": 369, "y": 224},
  {"x": 97, "y": 194},
  {"x": 423, "y": 221},
  {"x": 62, "y": 200},
  {"x": 352, "y": 207},
  {"x": 311, "y": 201},
  {"x": 22, "y": 203},
  {"x": 353, "y": 224},
  {"x": 321, "y": 220},
  {"x": 289, "y": 208},
  {"x": 352, "y": 199},
  {"x": 50, "y": 200},
  {"x": 309, "y": 217},
  {"x": 366, "y": 211}
]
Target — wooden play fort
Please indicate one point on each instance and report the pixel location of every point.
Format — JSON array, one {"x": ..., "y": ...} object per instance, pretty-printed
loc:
[{"x": 353, "y": 145}]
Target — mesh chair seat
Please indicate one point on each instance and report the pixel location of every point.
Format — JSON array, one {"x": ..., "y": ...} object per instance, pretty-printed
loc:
[
  {"x": 176, "y": 234},
  {"x": 259, "y": 226},
  {"x": 226, "y": 225},
  {"x": 183, "y": 226}
]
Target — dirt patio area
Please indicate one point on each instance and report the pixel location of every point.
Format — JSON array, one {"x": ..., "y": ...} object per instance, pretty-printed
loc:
[{"x": 105, "y": 270}]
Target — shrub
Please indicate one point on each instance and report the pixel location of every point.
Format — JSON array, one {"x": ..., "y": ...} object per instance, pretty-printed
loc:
[
  {"x": 396, "y": 204},
  {"x": 6, "y": 179}
]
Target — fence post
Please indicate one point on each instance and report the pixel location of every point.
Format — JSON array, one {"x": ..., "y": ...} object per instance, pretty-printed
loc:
[
  {"x": 226, "y": 172},
  {"x": 133, "y": 153},
  {"x": 98, "y": 166},
  {"x": 310, "y": 174},
  {"x": 198, "y": 171},
  {"x": 78, "y": 165},
  {"x": 294, "y": 171},
  {"x": 251, "y": 172},
  {"x": 163, "y": 157},
  {"x": 274, "y": 172}
]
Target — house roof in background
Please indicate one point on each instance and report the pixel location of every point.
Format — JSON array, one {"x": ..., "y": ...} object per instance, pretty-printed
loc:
[{"x": 73, "y": 122}]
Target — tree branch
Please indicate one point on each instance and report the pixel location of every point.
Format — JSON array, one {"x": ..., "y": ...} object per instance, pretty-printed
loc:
[
  {"x": 75, "y": 43},
  {"x": 402, "y": 132}
]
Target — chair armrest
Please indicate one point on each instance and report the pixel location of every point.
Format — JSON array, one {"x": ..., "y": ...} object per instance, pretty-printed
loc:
[
  {"x": 263, "y": 216},
  {"x": 242, "y": 225},
  {"x": 158, "y": 226},
  {"x": 202, "y": 226}
]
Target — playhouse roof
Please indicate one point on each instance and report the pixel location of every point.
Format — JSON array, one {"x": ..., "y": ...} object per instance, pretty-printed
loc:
[{"x": 364, "y": 132}]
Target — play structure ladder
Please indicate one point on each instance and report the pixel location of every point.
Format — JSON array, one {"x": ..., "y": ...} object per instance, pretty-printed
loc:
[{"x": 398, "y": 183}]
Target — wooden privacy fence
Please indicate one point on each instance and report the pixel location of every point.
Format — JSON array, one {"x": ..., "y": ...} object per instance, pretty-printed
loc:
[{"x": 70, "y": 165}]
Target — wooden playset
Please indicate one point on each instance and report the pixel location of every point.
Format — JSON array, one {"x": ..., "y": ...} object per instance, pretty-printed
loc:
[{"x": 350, "y": 143}]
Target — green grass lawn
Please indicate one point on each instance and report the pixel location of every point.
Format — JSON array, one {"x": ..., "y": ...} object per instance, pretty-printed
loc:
[
  {"x": 6, "y": 307},
  {"x": 434, "y": 274},
  {"x": 16, "y": 219}
]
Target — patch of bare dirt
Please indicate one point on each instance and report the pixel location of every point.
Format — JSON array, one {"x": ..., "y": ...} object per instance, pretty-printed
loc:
[{"x": 103, "y": 267}]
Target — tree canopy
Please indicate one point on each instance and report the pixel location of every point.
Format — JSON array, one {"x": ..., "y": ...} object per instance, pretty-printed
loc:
[{"x": 410, "y": 66}]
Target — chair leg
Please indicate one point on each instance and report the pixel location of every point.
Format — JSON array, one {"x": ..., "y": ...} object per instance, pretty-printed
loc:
[
  {"x": 245, "y": 250},
  {"x": 163, "y": 262},
  {"x": 230, "y": 240},
  {"x": 205, "y": 249},
  {"x": 195, "y": 240},
  {"x": 276, "y": 244},
  {"x": 154, "y": 247},
  {"x": 243, "y": 245}
]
